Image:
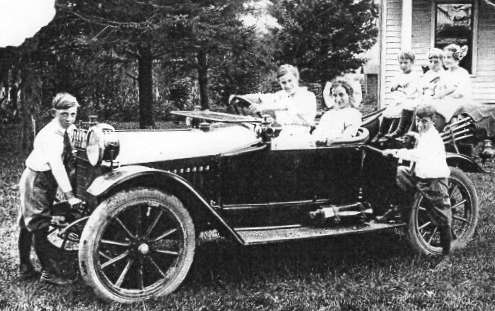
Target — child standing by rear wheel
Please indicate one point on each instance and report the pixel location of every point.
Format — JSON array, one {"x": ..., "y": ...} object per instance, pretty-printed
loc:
[
  {"x": 428, "y": 175},
  {"x": 45, "y": 172}
]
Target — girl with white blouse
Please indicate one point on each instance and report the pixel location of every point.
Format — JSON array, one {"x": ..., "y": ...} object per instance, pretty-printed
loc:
[
  {"x": 294, "y": 106},
  {"x": 342, "y": 122},
  {"x": 454, "y": 88}
]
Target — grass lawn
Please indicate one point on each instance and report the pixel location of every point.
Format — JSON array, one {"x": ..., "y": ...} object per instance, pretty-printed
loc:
[{"x": 363, "y": 272}]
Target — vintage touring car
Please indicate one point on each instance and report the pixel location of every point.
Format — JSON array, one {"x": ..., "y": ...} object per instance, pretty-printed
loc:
[{"x": 149, "y": 194}]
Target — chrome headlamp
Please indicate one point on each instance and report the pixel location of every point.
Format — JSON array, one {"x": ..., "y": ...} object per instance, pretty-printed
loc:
[{"x": 102, "y": 144}]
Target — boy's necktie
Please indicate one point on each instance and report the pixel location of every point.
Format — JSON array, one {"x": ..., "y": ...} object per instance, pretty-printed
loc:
[{"x": 67, "y": 152}]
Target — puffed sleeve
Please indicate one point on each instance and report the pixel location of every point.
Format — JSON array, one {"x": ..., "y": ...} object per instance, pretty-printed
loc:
[
  {"x": 464, "y": 87},
  {"x": 271, "y": 101},
  {"x": 325, "y": 125},
  {"x": 308, "y": 112}
]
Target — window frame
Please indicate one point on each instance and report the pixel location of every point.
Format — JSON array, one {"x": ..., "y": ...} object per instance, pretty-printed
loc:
[{"x": 474, "y": 21}]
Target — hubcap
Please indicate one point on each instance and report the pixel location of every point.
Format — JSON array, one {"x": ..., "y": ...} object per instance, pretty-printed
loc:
[
  {"x": 139, "y": 248},
  {"x": 144, "y": 249}
]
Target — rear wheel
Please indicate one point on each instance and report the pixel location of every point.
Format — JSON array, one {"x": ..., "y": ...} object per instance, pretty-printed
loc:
[
  {"x": 136, "y": 245},
  {"x": 424, "y": 236}
]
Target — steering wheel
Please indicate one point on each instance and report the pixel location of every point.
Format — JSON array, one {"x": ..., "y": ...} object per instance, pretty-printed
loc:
[{"x": 242, "y": 106}]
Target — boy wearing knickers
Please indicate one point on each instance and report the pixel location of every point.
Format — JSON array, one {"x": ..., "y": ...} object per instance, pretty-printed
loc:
[
  {"x": 428, "y": 175},
  {"x": 44, "y": 173}
]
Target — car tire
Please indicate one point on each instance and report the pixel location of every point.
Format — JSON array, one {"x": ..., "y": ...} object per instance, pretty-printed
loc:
[
  {"x": 137, "y": 244},
  {"x": 423, "y": 236}
]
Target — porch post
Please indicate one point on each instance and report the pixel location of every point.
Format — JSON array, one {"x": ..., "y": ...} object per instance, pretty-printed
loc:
[{"x": 406, "y": 25}]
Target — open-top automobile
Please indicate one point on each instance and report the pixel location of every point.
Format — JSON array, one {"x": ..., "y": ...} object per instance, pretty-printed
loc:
[{"x": 149, "y": 194}]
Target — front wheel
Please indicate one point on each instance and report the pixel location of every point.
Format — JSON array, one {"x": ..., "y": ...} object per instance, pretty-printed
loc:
[
  {"x": 137, "y": 244},
  {"x": 424, "y": 236}
]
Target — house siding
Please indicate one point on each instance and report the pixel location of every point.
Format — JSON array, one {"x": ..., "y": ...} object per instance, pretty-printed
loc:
[
  {"x": 391, "y": 44},
  {"x": 421, "y": 41},
  {"x": 484, "y": 78}
]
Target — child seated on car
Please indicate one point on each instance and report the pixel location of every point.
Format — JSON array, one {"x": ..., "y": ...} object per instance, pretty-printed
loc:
[
  {"x": 343, "y": 121},
  {"x": 455, "y": 88},
  {"x": 428, "y": 175},
  {"x": 405, "y": 91},
  {"x": 432, "y": 77},
  {"x": 294, "y": 106}
]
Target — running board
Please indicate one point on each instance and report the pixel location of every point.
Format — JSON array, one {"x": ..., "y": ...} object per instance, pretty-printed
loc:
[{"x": 266, "y": 235}]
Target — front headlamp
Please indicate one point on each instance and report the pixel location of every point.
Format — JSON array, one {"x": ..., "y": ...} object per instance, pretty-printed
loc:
[{"x": 102, "y": 144}]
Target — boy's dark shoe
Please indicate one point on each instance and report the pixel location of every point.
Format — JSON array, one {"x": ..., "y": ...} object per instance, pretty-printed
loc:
[
  {"x": 27, "y": 272},
  {"x": 47, "y": 277},
  {"x": 391, "y": 215},
  {"x": 446, "y": 238},
  {"x": 404, "y": 124}
]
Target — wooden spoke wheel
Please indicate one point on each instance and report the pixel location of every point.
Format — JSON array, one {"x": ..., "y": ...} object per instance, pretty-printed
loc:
[
  {"x": 136, "y": 245},
  {"x": 424, "y": 235}
]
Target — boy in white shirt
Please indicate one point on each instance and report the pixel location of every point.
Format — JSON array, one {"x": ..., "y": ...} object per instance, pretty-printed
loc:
[
  {"x": 405, "y": 90},
  {"x": 428, "y": 175},
  {"x": 45, "y": 172}
]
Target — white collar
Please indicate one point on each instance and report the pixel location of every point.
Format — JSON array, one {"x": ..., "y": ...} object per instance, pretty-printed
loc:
[{"x": 57, "y": 128}]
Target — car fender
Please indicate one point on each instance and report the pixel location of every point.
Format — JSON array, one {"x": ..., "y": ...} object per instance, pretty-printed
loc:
[
  {"x": 102, "y": 185},
  {"x": 463, "y": 162}
]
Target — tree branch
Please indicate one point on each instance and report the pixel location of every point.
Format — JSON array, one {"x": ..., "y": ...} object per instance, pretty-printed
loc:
[
  {"x": 133, "y": 77},
  {"x": 99, "y": 20}
]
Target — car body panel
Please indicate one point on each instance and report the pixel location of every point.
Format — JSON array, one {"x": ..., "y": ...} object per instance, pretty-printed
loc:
[
  {"x": 118, "y": 177},
  {"x": 241, "y": 181},
  {"x": 137, "y": 147},
  {"x": 464, "y": 162}
]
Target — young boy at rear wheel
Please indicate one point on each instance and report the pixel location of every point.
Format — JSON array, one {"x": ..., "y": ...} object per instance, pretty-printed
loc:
[
  {"x": 428, "y": 175},
  {"x": 45, "y": 172}
]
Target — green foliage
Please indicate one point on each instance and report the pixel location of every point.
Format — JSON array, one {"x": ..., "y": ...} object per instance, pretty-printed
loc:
[{"x": 324, "y": 37}]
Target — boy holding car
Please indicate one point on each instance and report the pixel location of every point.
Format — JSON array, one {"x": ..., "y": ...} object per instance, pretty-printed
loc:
[
  {"x": 45, "y": 172},
  {"x": 428, "y": 175}
]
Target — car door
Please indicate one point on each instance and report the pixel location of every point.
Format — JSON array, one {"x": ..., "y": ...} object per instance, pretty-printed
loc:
[{"x": 270, "y": 176}]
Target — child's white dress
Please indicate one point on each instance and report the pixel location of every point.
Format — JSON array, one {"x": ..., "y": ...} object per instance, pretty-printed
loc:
[
  {"x": 430, "y": 81},
  {"x": 460, "y": 81}
]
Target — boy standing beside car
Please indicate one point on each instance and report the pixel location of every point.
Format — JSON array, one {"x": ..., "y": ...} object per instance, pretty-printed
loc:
[
  {"x": 45, "y": 172},
  {"x": 428, "y": 175}
]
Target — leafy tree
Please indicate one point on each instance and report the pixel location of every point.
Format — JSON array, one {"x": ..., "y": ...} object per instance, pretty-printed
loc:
[
  {"x": 220, "y": 49},
  {"x": 324, "y": 37},
  {"x": 33, "y": 70},
  {"x": 244, "y": 68},
  {"x": 149, "y": 32},
  {"x": 132, "y": 32}
]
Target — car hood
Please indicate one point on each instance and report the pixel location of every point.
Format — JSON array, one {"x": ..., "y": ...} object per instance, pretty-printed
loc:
[{"x": 154, "y": 146}]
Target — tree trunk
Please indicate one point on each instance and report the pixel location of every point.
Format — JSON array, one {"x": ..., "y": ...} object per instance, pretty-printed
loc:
[
  {"x": 203, "y": 79},
  {"x": 145, "y": 82},
  {"x": 29, "y": 99}
]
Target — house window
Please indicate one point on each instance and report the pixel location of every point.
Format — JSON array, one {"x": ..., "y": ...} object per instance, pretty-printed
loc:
[{"x": 454, "y": 23}]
